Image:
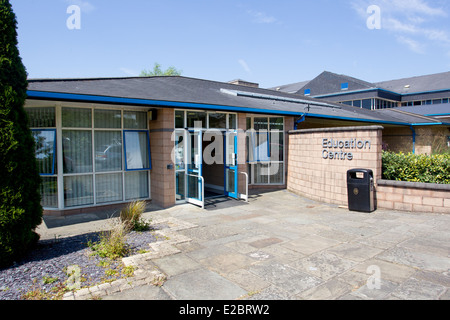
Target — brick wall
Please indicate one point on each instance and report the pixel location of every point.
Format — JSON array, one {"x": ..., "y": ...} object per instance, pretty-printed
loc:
[
  {"x": 413, "y": 196},
  {"x": 315, "y": 177},
  {"x": 162, "y": 179}
]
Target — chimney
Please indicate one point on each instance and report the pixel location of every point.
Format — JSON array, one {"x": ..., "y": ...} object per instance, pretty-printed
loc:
[{"x": 240, "y": 82}]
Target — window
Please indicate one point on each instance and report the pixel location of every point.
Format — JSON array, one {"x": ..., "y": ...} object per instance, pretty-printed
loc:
[
  {"x": 217, "y": 120},
  {"x": 367, "y": 104},
  {"x": 357, "y": 103},
  {"x": 76, "y": 118},
  {"x": 196, "y": 119},
  {"x": 307, "y": 92},
  {"x": 137, "y": 150},
  {"x": 95, "y": 169},
  {"x": 265, "y": 150},
  {"x": 179, "y": 119},
  {"x": 45, "y": 148},
  {"x": 41, "y": 119},
  {"x": 134, "y": 120},
  {"x": 344, "y": 86}
]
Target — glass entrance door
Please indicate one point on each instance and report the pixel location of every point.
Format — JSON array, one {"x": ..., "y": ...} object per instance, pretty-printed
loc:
[
  {"x": 194, "y": 179},
  {"x": 231, "y": 166}
]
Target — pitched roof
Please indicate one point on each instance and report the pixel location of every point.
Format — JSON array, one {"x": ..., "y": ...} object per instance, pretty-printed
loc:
[
  {"x": 431, "y": 82},
  {"x": 183, "y": 92},
  {"x": 329, "y": 82}
]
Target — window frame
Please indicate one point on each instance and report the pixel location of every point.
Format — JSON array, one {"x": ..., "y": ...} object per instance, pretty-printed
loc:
[
  {"x": 54, "y": 152},
  {"x": 125, "y": 151}
]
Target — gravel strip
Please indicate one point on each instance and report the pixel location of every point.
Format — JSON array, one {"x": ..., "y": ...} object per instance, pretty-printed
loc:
[{"x": 48, "y": 260}]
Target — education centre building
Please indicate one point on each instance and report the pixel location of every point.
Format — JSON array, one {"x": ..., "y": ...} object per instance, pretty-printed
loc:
[{"x": 107, "y": 141}]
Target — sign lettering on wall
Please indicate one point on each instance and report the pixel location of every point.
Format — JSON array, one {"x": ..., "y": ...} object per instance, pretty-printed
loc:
[{"x": 343, "y": 149}]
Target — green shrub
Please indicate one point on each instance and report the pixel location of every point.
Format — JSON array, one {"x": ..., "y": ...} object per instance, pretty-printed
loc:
[
  {"x": 20, "y": 208},
  {"x": 131, "y": 216},
  {"x": 416, "y": 168},
  {"x": 112, "y": 243}
]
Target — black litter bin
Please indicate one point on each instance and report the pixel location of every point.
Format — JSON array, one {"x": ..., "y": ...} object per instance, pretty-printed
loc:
[{"x": 360, "y": 190}]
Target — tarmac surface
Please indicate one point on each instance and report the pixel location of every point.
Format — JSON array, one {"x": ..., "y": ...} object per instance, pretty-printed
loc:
[{"x": 280, "y": 246}]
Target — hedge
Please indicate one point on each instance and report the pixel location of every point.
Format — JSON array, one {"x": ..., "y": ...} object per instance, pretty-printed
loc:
[{"x": 416, "y": 168}]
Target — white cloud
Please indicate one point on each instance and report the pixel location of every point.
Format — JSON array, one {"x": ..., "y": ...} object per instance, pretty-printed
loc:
[
  {"x": 414, "y": 23},
  {"x": 244, "y": 65},
  {"x": 85, "y": 6},
  {"x": 129, "y": 72},
  {"x": 261, "y": 17},
  {"x": 413, "y": 45}
]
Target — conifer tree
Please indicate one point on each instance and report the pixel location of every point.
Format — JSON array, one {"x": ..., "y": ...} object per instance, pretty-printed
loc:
[{"x": 20, "y": 208}]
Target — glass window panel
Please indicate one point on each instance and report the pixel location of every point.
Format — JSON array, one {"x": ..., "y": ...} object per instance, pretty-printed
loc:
[
  {"x": 108, "y": 151},
  {"x": 367, "y": 104},
  {"x": 357, "y": 103},
  {"x": 218, "y": 120},
  {"x": 276, "y": 123},
  {"x": 180, "y": 185},
  {"x": 108, "y": 187},
  {"x": 276, "y": 146},
  {"x": 41, "y": 117},
  {"x": 45, "y": 144},
  {"x": 76, "y": 118},
  {"x": 260, "y": 124},
  {"x": 262, "y": 146},
  {"x": 249, "y": 123},
  {"x": 276, "y": 173},
  {"x": 136, "y": 185},
  {"x": 77, "y": 151},
  {"x": 261, "y": 173},
  {"x": 107, "y": 119},
  {"x": 137, "y": 150},
  {"x": 78, "y": 191},
  {"x": 232, "y": 119},
  {"x": 179, "y": 119},
  {"x": 179, "y": 151},
  {"x": 134, "y": 120},
  {"x": 49, "y": 192},
  {"x": 193, "y": 117}
]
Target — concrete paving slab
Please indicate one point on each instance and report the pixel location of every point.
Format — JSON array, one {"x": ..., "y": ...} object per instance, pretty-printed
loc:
[
  {"x": 355, "y": 251},
  {"x": 414, "y": 289},
  {"x": 285, "y": 277},
  {"x": 323, "y": 265},
  {"x": 330, "y": 290},
  {"x": 139, "y": 293},
  {"x": 202, "y": 284},
  {"x": 416, "y": 259},
  {"x": 310, "y": 244},
  {"x": 176, "y": 264}
]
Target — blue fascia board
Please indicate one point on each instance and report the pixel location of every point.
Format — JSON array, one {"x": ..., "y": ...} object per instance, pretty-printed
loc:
[
  {"x": 190, "y": 105},
  {"x": 145, "y": 102},
  {"x": 437, "y": 114},
  {"x": 355, "y": 91}
]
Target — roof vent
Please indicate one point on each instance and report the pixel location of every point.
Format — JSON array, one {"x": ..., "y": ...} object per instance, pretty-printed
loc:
[{"x": 240, "y": 82}]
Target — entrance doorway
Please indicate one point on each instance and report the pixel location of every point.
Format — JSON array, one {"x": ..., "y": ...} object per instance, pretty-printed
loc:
[{"x": 211, "y": 168}]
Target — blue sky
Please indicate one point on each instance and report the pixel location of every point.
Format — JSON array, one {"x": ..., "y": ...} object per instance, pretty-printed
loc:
[{"x": 268, "y": 42}]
